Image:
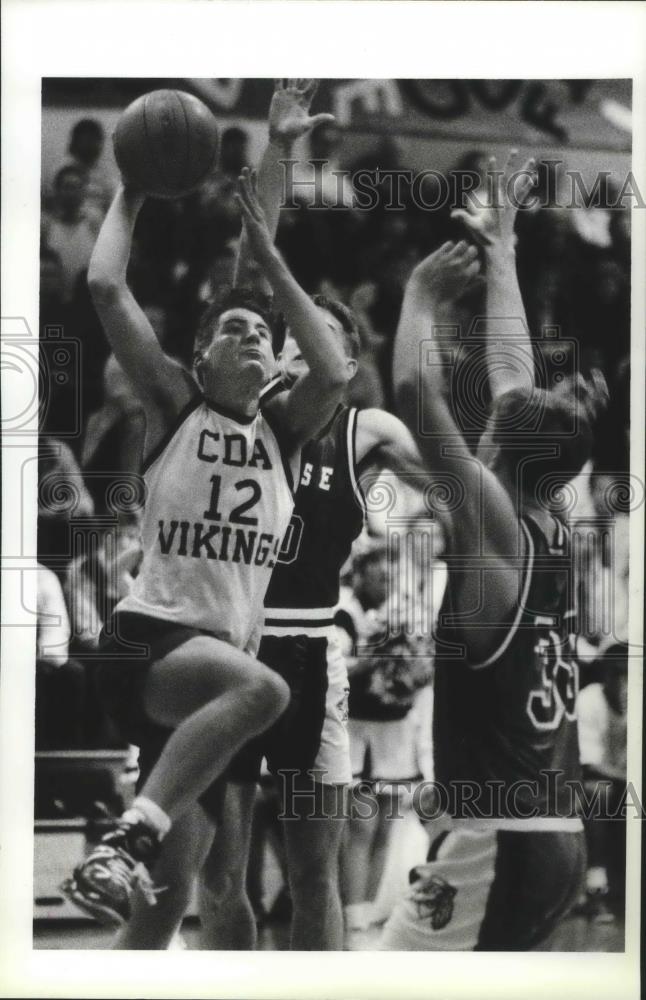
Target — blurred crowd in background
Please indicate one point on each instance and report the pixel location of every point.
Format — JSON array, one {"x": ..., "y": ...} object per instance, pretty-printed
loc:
[{"x": 574, "y": 269}]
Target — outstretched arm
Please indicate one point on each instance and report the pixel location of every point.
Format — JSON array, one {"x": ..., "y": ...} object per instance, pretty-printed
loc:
[
  {"x": 510, "y": 360},
  {"x": 161, "y": 382},
  {"x": 485, "y": 522},
  {"x": 384, "y": 442},
  {"x": 484, "y": 542},
  {"x": 289, "y": 119},
  {"x": 311, "y": 401}
]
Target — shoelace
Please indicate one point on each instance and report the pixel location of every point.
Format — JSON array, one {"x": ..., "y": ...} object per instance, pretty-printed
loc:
[
  {"x": 149, "y": 889},
  {"x": 122, "y": 868}
]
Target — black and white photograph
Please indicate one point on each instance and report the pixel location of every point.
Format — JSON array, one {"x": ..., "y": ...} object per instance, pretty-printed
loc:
[{"x": 323, "y": 429}]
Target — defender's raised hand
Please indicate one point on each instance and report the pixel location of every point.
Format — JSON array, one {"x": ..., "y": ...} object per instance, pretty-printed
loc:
[
  {"x": 289, "y": 116},
  {"x": 446, "y": 274},
  {"x": 491, "y": 219}
]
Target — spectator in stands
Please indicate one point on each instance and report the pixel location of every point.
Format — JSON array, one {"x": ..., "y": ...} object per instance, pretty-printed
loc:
[
  {"x": 114, "y": 436},
  {"x": 71, "y": 229},
  {"x": 87, "y": 140},
  {"x": 386, "y": 752},
  {"x": 97, "y": 579},
  {"x": 57, "y": 399},
  {"x": 602, "y": 709},
  {"x": 331, "y": 190},
  {"x": 366, "y": 388},
  {"x": 62, "y": 493},
  {"x": 60, "y": 682},
  {"x": 234, "y": 152}
]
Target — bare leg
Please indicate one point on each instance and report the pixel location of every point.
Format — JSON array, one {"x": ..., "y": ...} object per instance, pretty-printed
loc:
[
  {"x": 356, "y": 853},
  {"x": 313, "y": 864},
  {"x": 227, "y": 917},
  {"x": 381, "y": 843},
  {"x": 218, "y": 698},
  {"x": 182, "y": 855}
]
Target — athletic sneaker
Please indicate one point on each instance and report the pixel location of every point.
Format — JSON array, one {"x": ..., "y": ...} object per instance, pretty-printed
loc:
[{"x": 103, "y": 884}]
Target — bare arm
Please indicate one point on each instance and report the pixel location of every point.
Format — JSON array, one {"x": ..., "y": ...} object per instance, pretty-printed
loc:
[
  {"x": 384, "y": 442},
  {"x": 289, "y": 119},
  {"x": 311, "y": 401},
  {"x": 485, "y": 522},
  {"x": 161, "y": 382},
  {"x": 510, "y": 360}
]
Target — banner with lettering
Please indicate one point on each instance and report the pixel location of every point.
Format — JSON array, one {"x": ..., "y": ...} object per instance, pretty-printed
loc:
[{"x": 580, "y": 114}]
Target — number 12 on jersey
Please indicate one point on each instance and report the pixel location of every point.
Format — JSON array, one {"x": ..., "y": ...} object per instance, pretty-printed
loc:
[{"x": 239, "y": 514}]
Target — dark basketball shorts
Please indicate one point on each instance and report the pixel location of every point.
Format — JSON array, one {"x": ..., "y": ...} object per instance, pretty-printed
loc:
[
  {"x": 311, "y": 735},
  {"x": 484, "y": 889},
  {"x": 132, "y": 645}
]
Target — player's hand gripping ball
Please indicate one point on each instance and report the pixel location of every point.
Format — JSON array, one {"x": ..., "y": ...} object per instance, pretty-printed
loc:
[{"x": 166, "y": 143}]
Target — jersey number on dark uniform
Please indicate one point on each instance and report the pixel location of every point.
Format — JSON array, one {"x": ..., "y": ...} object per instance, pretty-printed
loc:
[
  {"x": 557, "y": 696},
  {"x": 291, "y": 541}
]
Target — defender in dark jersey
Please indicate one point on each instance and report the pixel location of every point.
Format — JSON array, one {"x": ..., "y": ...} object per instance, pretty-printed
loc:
[
  {"x": 307, "y": 749},
  {"x": 505, "y": 739}
]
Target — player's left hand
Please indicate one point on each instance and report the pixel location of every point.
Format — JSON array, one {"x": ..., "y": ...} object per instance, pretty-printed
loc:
[
  {"x": 446, "y": 274},
  {"x": 289, "y": 116}
]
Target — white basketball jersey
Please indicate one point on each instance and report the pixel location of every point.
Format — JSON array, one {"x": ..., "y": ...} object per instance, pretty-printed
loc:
[{"x": 218, "y": 503}]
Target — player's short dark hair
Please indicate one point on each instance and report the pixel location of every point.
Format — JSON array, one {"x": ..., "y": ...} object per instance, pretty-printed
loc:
[
  {"x": 558, "y": 419},
  {"x": 69, "y": 168},
  {"x": 236, "y": 298},
  {"x": 345, "y": 316}
]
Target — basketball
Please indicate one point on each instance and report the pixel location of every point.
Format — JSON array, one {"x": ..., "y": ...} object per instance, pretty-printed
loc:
[{"x": 166, "y": 143}]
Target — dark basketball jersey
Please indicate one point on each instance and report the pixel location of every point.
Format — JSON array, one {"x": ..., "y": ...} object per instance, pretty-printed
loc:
[
  {"x": 328, "y": 516},
  {"x": 508, "y": 725}
]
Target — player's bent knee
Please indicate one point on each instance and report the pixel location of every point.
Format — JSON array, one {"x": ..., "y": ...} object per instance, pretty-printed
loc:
[
  {"x": 216, "y": 884},
  {"x": 267, "y": 695}
]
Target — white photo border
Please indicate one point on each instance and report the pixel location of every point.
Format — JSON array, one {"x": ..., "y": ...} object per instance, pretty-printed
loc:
[{"x": 259, "y": 38}]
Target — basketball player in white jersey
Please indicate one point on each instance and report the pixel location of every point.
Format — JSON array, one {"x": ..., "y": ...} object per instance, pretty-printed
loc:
[
  {"x": 183, "y": 849},
  {"x": 357, "y": 443},
  {"x": 311, "y": 738},
  {"x": 307, "y": 750},
  {"x": 218, "y": 478}
]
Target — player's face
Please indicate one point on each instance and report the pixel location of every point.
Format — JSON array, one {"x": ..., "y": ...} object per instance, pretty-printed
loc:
[
  {"x": 292, "y": 362},
  {"x": 241, "y": 343}
]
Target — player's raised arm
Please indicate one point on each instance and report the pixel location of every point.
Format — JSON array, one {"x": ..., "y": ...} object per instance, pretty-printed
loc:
[
  {"x": 311, "y": 401},
  {"x": 161, "y": 383},
  {"x": 509, "y": 351},
  {"x": 289, "y": 120},
  {"x": 384, "y": 442},
  {"x": 486, "y": 522}
]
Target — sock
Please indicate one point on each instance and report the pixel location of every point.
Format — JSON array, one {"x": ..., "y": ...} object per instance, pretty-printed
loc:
[
  {"x": 146, "y": 811},
  {"x": 357, "y": 915}
]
